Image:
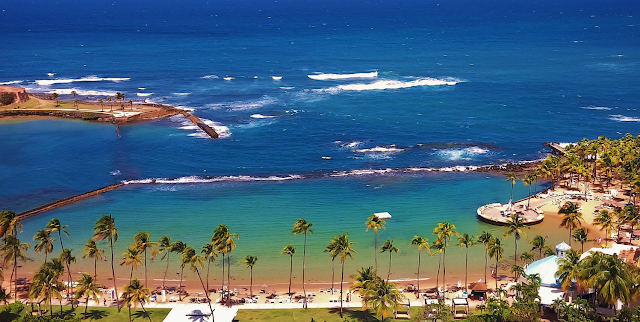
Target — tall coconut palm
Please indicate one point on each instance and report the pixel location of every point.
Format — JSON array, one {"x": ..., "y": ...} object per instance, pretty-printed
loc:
[
  {"x": 375, "y": 223},
  {"x": 569, "y": 271},
  {"x": 528, "y": 180},
  {"x": 130, "y": 104},
  {"x": 616, "y": 280},
  {"x": 88, "y": 288},
  {"x": 210, "y": 253},
  {"x": 55, "y": 97},
  {"x": 67, "y": 258},
  {"x": 10, "y": 223},
  {"x": 445, "y": 231},
  {"x": 164, "y": 248},
  {"x": 91, "y": 250},
  {"x": 12, "y": 250},
  {"x": 178, "y": 247},
  {"x": 101, "y": 102},
  {"x": 511, "y": 177},
  {"x": 45, "y": 243},
  {"x": 496, "y": 250},
  {"x": 465, "y": 240},
  {"x": 135, "y": 293},
  {"x": 142, "y": 240},
  {"x": 105, "y": 228},
  {"x": 364, "y": 276},
  {"x": 250, "y": 261},
  {"x": 289, "y": 250},
  {"x": 303, "y": 227},
  {"x": 109, "y": 99},
  {"x": 436, "y": 249},
  {"x": 226, "y": 244},
  {"x": 571, "y": 217},
  {"x": 515, "y": 228},
  {"x": 383, "y": 297},
  {"x": 75, "y": 103},
  {"x": 605, "y": 220},
  {"x": 131, "y": 258},
  {"x": 388, "y": 247},
  {"x": 120, "y": 97},
  {"x": 344, "y": 250},
  {"x": 421, "y": 243},
  {"x": 538, "y": 243},
  {"x": 332, "y": 250},
  {"x": 54, "y": 225},
  {"x": 527, "y": 257},
  {"x": 518, "y": 271},
  {"x": 485, "y": 239},
  {"x": 195, "y": 261},
  {"x": 581, "y": 235},
  {"x": 45, "y": 285}
]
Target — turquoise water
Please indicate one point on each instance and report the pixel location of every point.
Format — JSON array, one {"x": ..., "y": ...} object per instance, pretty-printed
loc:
[{"x": 518, "y": 75}]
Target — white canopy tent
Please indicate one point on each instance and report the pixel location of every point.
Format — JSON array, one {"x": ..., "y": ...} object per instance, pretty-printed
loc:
[{"x": 383, "y": 215}]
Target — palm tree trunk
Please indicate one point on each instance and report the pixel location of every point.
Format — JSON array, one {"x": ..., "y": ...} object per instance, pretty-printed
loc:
[
  {"x": 15, "y": 276},
  {"x": 113, "y": 272},
  {"x": 251, "y": 283},
  {"x": 229, "y": 277},
  {"x": 438, "y": 275},
  {"x": 466, "y": 266},
  {"x": 147, "y": 314},
  {"x": 333, "y": 273},
  {"x": 222, "y": 274},
  {"x": 389, "y": 273},
  {"x": 146, "y": 282},
  {"x": 208, "y": 266},
  {"x": 290, "y": 273},
  {"x": 418, "y": 293},
  {"x": 206, "y": 292},
  {"x": 515, "y": 255},
  {"x": 86, "y": 306},
  {"x": 131, "y": 275},
  {"x": 180, "y": 286},
  {"x": 304, "y": 257},
  {"x": 444, "y": 269},
  {"x": 486, "y": 261},
  {"x": 95, "y": 269},
  {"x": 129, "y": 312},
  {"x": 375, "y": 250},
  {"x": 496, "y": 272},
  {"x": 165, "y": 271},
  {"x": 341, "y": 282}
]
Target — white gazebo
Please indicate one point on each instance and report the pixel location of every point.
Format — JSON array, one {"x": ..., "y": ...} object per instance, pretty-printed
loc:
[{"x": 383, "y": 215}]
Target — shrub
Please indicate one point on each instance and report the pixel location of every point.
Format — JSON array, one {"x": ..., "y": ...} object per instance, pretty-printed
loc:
[
  {"x": 6, "y": 99},
  {"x": 90, "y": 116},
  {"x": 16, "y": 307}
]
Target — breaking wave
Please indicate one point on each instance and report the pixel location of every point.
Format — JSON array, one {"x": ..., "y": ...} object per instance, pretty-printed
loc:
[
  {"x": 622, "y": 118},
  {"x": 380, "y": 149},
  {"x": 11, "y": 82},
  {"x": 321, "y": 76},
  {"x": 182, "y": 94},
  {"x": 599, "y": 108},
  {"x": 80, "y": 92},
  {"x": 260, "y": 116},
  {"x": 461, "y": 154},
  {"x": 199, "y": 179},
  {"x": 47, "y": 82},
  {"x": 210, "y": 77},
  {"x": 245, "y": 105},
  {"x": 144, "y": 94},
  {"x": 390, "y": 84}
]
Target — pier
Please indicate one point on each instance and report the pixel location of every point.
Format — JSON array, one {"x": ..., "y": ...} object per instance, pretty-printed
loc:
[
  {"x": 204, "y": 127},
  {"x": 557, "y": 148},
  {"x": 66, "y": 201}
]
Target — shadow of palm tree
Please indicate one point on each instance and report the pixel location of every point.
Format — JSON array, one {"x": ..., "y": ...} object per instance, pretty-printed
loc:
[
  {"x": 96, "y": 314},
  {"x": 357, "y": 315},
  {"x": 141, "y": 315}
]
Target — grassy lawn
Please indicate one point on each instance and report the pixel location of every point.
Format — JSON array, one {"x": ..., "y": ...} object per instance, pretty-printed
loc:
[
  {"x": 318, "y": 315},
  {"x": 109, "y": 314}
]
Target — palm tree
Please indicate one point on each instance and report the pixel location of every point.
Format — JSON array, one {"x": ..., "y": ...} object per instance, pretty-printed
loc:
[
  {"x": 383, "y": 297},
  {"x": 250, "y": 261},
  {"x": 511, "y": 177},
  {"x": 55, "y": 97},
  {"x": 45, "y": 243},
  {"x": 527, "y": 257},
  {"x": 12, "y": 251},
  {"x": 571, "y": 217},
  {"x": 178, "y": 247},
  {"x": 465, "y": 240},
  {"x": 445, "y": 231},
  {"x": 581, "y": 236},
  {"x": 343, "y": 247},
  {"x": 75, "y": 103},
  {"x": 164, "y": 245},
  {"x": 388, "y": 247},
  {"x": 332, "y": 250},
  {"x": 135, "y": 294},
  {"x": 106, "y": 229},
  {"x": 496, "y": 250},
  {"x": 109, "y": 99},
  {"x": 4, "y": 297},
  {"x": 189, "y": 256},
  {"x": 422, "y": 243},
  {"x": 9, "y": 223},
  {"x": 518, "y": 271},
  {"x": 144, "y": 243},
  {"x": 436, "y": 249},
  {"x": 91, "y": 250},
  {"x": 290, "y": 250},
  {"x": 225, "y": 244},
  {"x": 74, "y": 93},
  {"x": 54, "y": 226},
  {"x": 131, "y": 258},
  {"x": 605, "y": 220},
  {"x": 363, "y": 278},
  {"x": 131, "y": 104},
  {"x": 210, "y": 253},
  {"x": 120, "y": 97},
  {"x": 101, "y": 101},
  {"x": 528, "y": 180},
  {"x": 375, "y": 223},
  {"x": 569, "y": 271},
  {"x": 301, "y": 226},
  {"x": 515, "y": 225},
  {"x": 66, "y": 257},
  {"x": 538, "y": 243},
  {"x": 45, "y": 285},
  {"x": 88, "y": 288},
  {"x": 615, "y": 280},
  {"x": 485, "y": 239}
]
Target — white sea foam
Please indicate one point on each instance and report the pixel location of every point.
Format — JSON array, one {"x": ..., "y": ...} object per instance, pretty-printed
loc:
[
  {"x": 245, "y": 105},
  {"x": 11, "y": 82},
  {"x": 321, "y": 76},
  {"x": 228, "y": 78},
  {"x": 210, "y": 77},
  {"x": 182, "y": 94},
  {"x": 260, "y": 116},
  {"x": 198, "y": 179},
  {"x": 622, "y": 118},
  {"x": 276, "y": 77},
  {"x": 144, "y": 94},
  {"x": 80, "y": 92},
  {"x": 600, "y": 108},
  {"x": 51, "y": 74},
  {"x": 223, "y": 131},
  {"x": 47, "y": 82},
  {"x": 461, "y": 153},
  {"x": 351, "y": 145},
  {"x": 379, "y": 149},
  {"x": 389, "y": 84},
  {"x": 142, "y": 88}
]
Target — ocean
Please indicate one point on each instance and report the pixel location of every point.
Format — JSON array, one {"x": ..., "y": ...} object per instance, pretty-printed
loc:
[{"x": 328, "y": 110}]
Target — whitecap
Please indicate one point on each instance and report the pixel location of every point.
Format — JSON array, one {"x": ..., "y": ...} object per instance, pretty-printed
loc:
[
  {"x": 379, "y": 149},
  {"x": 210, "y": 77},
  {"x": 198, "y": 179},
  {"x": 144, "y": 94},
  {"x": 182, "y": 94},
  {"x": 461, "y": 154},
  {"x": 276, "y": 77},
  {"x": 223, "y": 131},
  {"x": 352, "y": 144},
  {"x": 260, "y": 116},
  {"x": 321, "y": 76},
  {"x": 142, "y": 88},
  {"x": 51, "y": 74},
  {"x": 11, "y": 82},
  {"x": 599, "y": 108},
  {"x": 390, "y": 84},
  {"x": 47, "y": 82},
  {"x": 80, "y": 92},
  {"x": 228, "y": 78},
  {"x": 622, "y": 118},
  {"x": 245, "y": 105}
]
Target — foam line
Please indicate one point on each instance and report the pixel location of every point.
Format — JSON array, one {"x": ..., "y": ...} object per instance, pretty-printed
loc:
[
  {"x": 321, "y": 76},
  {"x": 47, "y": 82}
]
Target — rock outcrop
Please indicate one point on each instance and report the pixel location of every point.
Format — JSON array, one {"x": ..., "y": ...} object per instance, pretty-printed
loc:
[{"x": 20, "y": 93}]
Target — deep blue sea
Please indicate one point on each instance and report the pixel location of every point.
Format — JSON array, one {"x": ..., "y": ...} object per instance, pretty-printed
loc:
[{"x": 310, "y": 97}]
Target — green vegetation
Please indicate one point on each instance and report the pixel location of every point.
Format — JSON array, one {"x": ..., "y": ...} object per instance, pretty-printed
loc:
[
  {"x": 102, "y": 314},
  {"x": 6, "y": 99}
]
